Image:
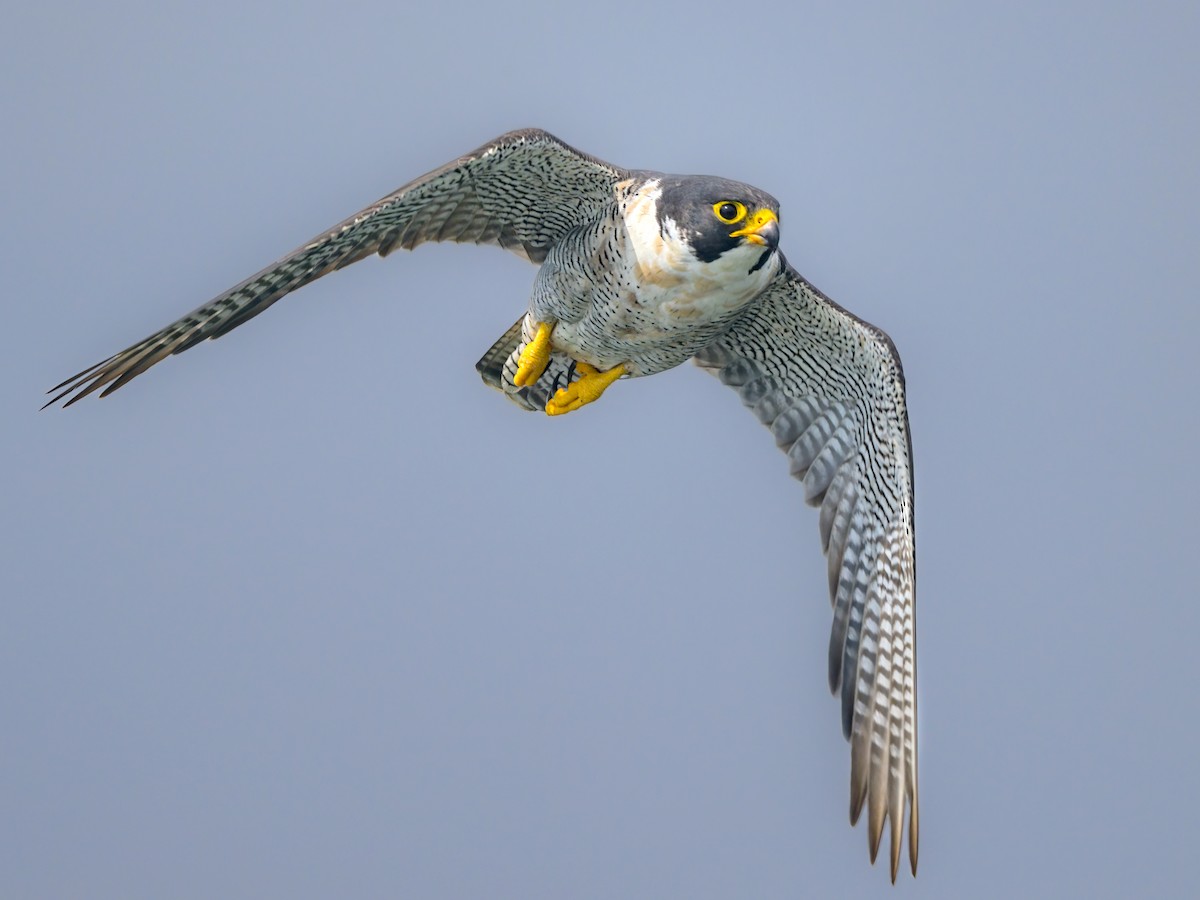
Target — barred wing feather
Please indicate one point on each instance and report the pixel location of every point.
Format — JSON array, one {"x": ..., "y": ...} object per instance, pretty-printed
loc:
[
  {"x": 522, "y": 191},
  {"x": 831, "y": 389}
]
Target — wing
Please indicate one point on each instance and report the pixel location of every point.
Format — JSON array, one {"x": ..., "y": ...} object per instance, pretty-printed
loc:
[
  {"x": 523, "y": 191},
  {"x": 831, "y": 388}
]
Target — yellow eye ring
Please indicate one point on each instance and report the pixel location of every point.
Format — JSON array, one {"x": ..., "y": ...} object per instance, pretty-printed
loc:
[{"x": 729, "y": 211}]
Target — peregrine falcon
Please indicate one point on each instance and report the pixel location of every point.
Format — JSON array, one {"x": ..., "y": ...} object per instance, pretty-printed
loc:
[{"x": 639, "y": 271}]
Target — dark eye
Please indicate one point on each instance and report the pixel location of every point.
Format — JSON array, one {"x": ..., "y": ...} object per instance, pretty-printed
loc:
[{"x": 729, "y": 211}]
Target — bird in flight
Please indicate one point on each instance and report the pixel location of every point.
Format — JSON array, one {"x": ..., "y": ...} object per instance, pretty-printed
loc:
[{"x": 638, "y": 272}]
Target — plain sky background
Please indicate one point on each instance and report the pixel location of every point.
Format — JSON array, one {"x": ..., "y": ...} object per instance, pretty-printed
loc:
[{"x": 310, "y": 612}]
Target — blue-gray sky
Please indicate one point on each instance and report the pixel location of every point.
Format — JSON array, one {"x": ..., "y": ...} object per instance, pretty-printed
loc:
[{"x": 271, "y": 625}]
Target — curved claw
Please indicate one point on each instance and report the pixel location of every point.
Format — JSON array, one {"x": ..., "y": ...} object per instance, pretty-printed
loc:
[{"x": 590, "y": 385}]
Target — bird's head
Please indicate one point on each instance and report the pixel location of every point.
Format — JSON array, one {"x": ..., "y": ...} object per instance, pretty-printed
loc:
[{"x": 719, "y": 218}]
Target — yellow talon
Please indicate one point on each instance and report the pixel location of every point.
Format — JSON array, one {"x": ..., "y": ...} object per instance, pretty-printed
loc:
[
  {"x": 591, "y": 384},
  {"x": 535, "y": 357}
]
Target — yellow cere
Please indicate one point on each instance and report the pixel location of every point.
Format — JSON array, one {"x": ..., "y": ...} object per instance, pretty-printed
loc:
[{"x": 757, "y": 221}]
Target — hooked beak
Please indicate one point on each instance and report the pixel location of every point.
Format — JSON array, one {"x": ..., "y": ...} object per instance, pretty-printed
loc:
[{"x": 761, "y": 228}]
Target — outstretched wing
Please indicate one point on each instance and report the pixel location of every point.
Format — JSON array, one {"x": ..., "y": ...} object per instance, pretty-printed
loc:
[
  {"x": 831, "y": 389},
  {"x": 522, "y": 191}
]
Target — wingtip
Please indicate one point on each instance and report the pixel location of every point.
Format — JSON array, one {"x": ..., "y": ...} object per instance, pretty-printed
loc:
[
  {"x": 875, "y": 836},
  {"x": 914, "y": 835},
  {"x": 896, "y": 834},
  {"x": 875, "y": 839},
  {"x": 857, "y": 798},
  {"x": 53, "y": 400},
  {"x": 75, "y": 382},
  {"x": 65, "y": 393}
]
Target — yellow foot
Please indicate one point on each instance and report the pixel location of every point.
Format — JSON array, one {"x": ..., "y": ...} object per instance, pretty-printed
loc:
[
  {"x": 535, "y": 357},
  {"x": 589, "y": 387}
]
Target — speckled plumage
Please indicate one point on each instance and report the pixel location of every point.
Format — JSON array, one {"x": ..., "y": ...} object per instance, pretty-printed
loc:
[
  {"x": 621, "y": 293},
  {"x": 636, "y": 271}
]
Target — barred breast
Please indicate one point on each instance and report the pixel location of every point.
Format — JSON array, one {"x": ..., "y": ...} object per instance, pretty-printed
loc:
[{"x": 627, "y": 288}]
